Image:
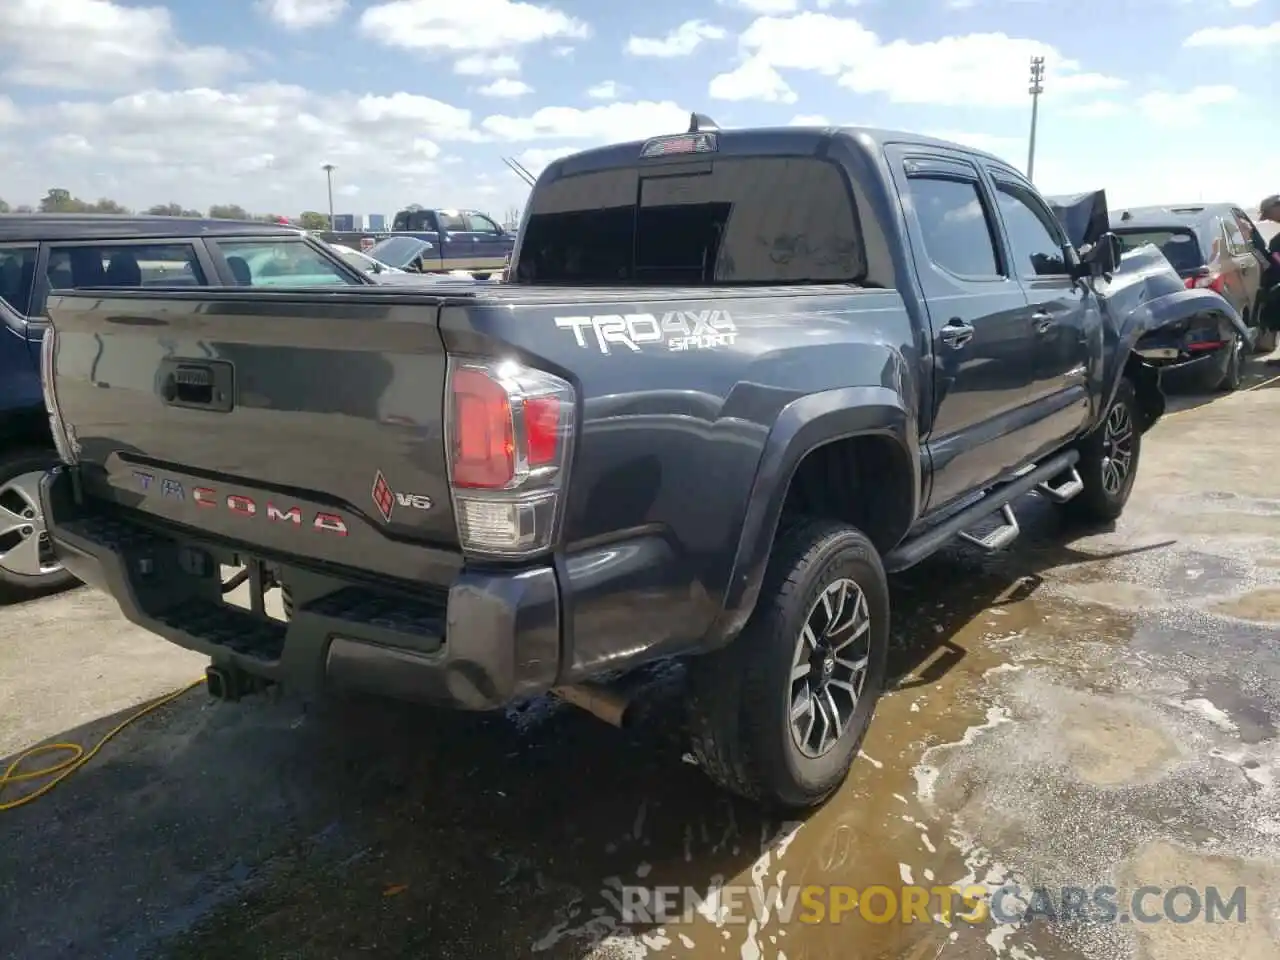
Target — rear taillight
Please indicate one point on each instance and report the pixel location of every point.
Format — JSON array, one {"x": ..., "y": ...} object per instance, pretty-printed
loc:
[
  {"x": 509, "y": 433},
  {"x": 62, "y": 440},
  {"x": 1206, "y": 279}
]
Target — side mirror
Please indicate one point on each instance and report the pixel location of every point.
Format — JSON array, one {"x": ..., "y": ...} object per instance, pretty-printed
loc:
[{"x": 1103, "y": 257}]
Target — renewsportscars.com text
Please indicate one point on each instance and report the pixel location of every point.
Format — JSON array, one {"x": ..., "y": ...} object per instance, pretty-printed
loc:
[{"x": 937, "y": 904}]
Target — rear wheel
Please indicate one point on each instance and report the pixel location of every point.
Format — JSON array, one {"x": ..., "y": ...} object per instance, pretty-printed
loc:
[
  {"x": 1108, "y": 462},
  {"x": 779, "y": 714},
  {"x": 27, "y": 561}
]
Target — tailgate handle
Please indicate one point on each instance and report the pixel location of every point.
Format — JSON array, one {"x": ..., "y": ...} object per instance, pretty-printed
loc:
[{"x": 201, "y": 385}]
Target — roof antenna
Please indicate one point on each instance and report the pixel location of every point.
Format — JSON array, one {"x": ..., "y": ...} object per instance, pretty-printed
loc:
[{"x": 700, "y": 121}]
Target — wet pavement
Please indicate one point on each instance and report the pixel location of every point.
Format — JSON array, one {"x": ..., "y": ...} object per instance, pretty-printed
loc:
[{"x": 1081, "y": 710}]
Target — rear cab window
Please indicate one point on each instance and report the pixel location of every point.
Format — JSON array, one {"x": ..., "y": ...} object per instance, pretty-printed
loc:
[
  {"x": 280, "y": 262},
  {"x": 17, "y": 276},
  {"x": 1178, "y": 244},
  {"x": 106, "y": 264},
  {"x": 734, "y": 220}
]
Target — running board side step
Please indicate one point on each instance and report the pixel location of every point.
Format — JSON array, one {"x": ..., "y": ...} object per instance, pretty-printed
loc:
[
  {"x": 1001, "y": 536},
  {"x": 1071, "y": 487},
  {"x": 912, "y": 551}
]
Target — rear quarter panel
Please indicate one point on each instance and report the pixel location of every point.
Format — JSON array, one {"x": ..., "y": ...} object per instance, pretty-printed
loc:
[{"x": 672, "y": 432}]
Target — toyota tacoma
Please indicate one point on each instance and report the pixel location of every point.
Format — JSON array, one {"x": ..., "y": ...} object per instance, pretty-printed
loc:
[{"x": 735, "y": 379}]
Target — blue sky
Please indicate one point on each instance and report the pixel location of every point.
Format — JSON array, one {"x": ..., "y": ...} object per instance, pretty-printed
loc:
[{"x": 417, "y": 101}]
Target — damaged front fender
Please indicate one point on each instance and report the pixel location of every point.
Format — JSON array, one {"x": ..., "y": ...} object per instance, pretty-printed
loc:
[{"x": 1144, "y": 295}]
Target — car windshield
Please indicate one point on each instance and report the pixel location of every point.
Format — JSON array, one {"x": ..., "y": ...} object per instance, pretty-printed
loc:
[
  {"x": 1179, "y": 246},
  {"x": 356, "y": 259},
  {"x": 396, "y": 251}
]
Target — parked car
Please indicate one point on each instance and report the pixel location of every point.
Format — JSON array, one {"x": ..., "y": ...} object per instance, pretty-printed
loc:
[
  {"x": 735, "y": 378},
  {"x": 42, "y": 254},
  {"x": 1212, "y": 246},
  {"x": 454, "y": 239},
  {"x": 362, "y": 261}
]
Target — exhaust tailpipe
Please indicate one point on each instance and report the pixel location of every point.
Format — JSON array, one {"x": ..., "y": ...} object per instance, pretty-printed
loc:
[{"x": 608, "y": 705}]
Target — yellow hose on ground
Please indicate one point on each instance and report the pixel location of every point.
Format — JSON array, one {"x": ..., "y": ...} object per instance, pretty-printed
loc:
[{"x": 79, "y": 757}]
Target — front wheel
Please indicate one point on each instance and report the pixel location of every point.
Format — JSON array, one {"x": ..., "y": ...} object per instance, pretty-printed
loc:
[
  {"x": 779, "y": 714},
  {"x": 1233, "y": 375},
  {"x": 27, "y": 561},
  {"x": 1108, "y": 462}
]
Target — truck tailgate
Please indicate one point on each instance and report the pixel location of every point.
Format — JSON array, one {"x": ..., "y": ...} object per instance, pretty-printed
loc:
[{"x": 307, "y": 422}]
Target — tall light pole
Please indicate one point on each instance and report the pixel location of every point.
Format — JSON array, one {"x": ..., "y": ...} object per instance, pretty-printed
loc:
[
  {"x": 1036, "y": 88},
  {"x": 328, "y": 172}
]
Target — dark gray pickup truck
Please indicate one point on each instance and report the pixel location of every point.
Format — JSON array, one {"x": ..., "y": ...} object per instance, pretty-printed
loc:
[{"x": 735, "y": 379}]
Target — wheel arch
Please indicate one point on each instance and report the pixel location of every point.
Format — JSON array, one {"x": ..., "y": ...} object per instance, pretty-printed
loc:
[{"x": 818, "y": 444}]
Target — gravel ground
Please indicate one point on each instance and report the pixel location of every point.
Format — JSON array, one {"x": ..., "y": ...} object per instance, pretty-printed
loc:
[{"x": 1079, "y": 710}]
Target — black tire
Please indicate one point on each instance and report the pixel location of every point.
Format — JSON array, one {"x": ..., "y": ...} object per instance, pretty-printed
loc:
[
  {"x": 740, "y": 698},
  {"x": 15, "y": 464},
  {"x": 1233, "y": 374},
  {"x": 1101, "y": 500}
]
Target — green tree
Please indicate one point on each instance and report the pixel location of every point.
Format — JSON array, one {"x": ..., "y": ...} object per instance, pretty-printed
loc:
[
  {"x": 311, "y": 220},
  {"x": 172, "y": 210},
  {"x": 58, "y": 200},
  {"x": 4, "y": 207},
  {"x": 228, "y": 211},
  {"x": 104, "y": 205}
]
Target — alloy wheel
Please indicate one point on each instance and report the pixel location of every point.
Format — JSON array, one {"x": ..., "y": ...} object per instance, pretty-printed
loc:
[
  {"x": 829, "y": 667},
  {"x": 25, "y": 548}
]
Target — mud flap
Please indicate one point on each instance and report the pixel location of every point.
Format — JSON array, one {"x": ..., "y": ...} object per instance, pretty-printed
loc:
[{"x": 1147, "y": 389}]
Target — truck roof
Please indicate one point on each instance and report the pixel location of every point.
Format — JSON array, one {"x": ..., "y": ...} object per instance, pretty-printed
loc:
[
  {"x": 757, "y": 141},
  {"x": 112, "y": 226}
]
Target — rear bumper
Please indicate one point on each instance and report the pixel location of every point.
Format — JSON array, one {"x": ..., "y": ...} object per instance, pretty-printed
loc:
[{"x": 489, "y": 639}]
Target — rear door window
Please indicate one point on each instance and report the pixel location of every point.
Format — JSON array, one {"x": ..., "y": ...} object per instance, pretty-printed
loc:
[
  {"x": 280, "y": 263},
  {"x": 17, "y": 276},
  {"x": 164, "y": 264},
  {"x": 735, "y": 221},
  {"x": 1178, "y": 246},
  {"x": 955, "y": 226}
]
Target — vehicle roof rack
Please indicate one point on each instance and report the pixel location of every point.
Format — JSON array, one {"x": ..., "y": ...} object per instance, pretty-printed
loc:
[{"x": 699, "y": 122}]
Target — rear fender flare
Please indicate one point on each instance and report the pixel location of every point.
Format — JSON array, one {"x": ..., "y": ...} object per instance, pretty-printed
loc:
[{"x": 803, "y": 426}]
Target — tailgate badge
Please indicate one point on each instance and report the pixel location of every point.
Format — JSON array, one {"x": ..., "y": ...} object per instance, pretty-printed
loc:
[{"x": 386, "y": 500}]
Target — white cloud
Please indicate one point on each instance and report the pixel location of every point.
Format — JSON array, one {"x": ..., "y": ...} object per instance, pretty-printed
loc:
[
  {"x": 982, "y": 68},
  {"x": 754, "y": 79},
  {"x": 1236, "y": 38},
  {"x": 537, "y": 159},
  {"x": 605, "y": 90},
  {"x": 810, "y": 120},
  {"x": 680, "y": 42},
  {"x": 1097, "y": 110},
  {"x": 765, "y": 6},
  {"x": 1179, "y": 108},
  {"x": 479, "y": 65},
  {"x": 99, "y": 45},
  {"x": 476, "y": 25},
  {"x": 302, "y": 14},
  {"x": 8, "y": 111},
  {"x": 613, "y": 123},
  {"x": 1012, "y": 149},
  {"x": 505, "y": 87}
]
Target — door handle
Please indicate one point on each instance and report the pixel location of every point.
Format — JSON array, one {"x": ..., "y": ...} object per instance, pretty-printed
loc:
[
  {"x": 956, "y": 333},
  {"x": 1042, "y": 321}
]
